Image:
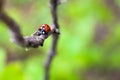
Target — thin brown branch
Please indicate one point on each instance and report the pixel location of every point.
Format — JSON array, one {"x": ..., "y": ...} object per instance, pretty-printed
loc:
[
  {"x": 114, "y": 8},
  {"x": 35, "y": 40},
  {"x": 28, "y": 41},
  {"x": 1, "y": 5},
  {"x": 55, "y": 36},
  {"x": 13, "y": 27}
]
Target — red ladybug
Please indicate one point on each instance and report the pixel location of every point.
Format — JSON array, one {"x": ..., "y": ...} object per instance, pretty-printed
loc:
[{"x": 44, "y": 29}]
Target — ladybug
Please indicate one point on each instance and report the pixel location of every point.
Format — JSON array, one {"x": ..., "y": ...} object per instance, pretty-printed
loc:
[{"x": 44, "y": 29}]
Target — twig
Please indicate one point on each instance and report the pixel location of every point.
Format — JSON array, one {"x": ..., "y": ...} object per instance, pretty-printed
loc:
[
  {"x": 55, "y": 36},
  {"x": 28, "y": 41},
  {"x": 1, "y": 5},
  {"x": 34, "y": 40},
  {"x": 13, "y": 27}
]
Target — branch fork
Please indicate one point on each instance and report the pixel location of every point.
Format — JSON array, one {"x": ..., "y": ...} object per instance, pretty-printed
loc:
[{"x": 35, "y": 40}]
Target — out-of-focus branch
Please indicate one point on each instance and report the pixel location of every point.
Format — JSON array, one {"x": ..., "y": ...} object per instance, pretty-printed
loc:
[
  {"x": 104, "y": 33},
  {"x": 13, "y": 27},
  {"x": 28, "y": 41},
  {"x": 102, "y": 30},
  {"x": 55, "y": 36},
  {"x": 34, "y": 40},
  {"x": 17, "y": 37},
  {"x": 114, "y": 8},
  {"x": 1, "y": 5}
]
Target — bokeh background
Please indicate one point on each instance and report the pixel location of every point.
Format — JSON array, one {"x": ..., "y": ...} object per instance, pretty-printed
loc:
[{"x": 88, "y": 47}]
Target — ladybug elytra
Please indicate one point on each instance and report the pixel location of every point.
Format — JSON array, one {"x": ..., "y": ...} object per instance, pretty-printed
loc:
[{"x": 44, "y": 29}]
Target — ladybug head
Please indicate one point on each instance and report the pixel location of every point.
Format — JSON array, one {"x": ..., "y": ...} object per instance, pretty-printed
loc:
[{"x": 44, "y": 29}]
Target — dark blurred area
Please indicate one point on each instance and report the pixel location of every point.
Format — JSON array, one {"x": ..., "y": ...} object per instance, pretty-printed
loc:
[{"x": 88, "y": 47}]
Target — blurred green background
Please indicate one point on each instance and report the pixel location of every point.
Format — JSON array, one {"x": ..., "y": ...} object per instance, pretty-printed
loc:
[{"x": 88, "y": 47}]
